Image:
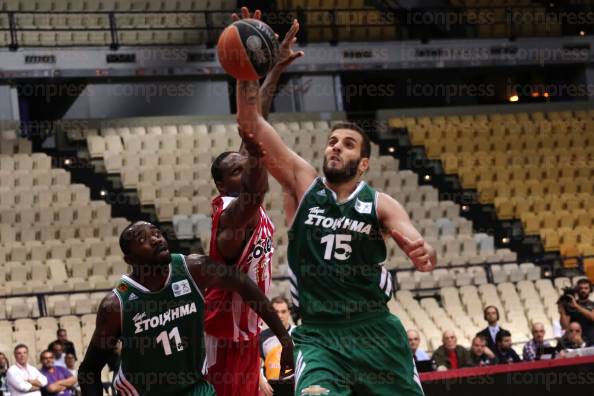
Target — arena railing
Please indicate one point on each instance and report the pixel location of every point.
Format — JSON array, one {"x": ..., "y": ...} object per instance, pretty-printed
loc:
[
  {"x": 422, "y": 23},
  {"x": 543, "y": 262}
]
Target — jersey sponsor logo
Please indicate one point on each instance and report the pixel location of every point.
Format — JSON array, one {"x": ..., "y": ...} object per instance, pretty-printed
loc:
[
  {"x": 181, "y": 288},
  {"x": 315, "y": 390},
  {"x": 132, "y": 297},
  {"x": 363, "y": 207},
  {"x": 261, "y": 248},
  {"x": 162, "y": 319},
  {"x": 139, "y": 316},
  {"x": 316, "y": 210},
  {"x": 343, "y": 223}
]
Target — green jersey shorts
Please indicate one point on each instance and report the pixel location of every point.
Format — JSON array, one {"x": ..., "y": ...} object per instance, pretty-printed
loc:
[{"x": 368, "y": 357}]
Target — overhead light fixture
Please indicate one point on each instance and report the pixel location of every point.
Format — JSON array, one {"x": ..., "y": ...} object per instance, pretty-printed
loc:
[
  {"x": 514, "y": 98},
  {"x": 427, "y": 177},
  {"x": 391, "y": 149},
  {"x": 505, "y": 240},
  {"x": 465, "y": 208},
  {"x": 103, "y": 193},
  {"x": 67, "y": 161},
  {"x": 582, "y": 33}
]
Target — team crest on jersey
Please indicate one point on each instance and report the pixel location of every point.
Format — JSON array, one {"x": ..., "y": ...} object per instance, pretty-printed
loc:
[
  {"x": 181, "y": 288},
  {"x": 315, "y": 390},
  {"x": 122, "y": 288},
  {"x": 363, "y": 207}
]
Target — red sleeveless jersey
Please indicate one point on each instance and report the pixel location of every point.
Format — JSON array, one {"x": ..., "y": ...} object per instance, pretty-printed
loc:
[{"x": 226, "y": 314}]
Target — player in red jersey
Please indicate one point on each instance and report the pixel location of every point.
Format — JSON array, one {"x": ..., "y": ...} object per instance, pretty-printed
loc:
[{"x": 242, "y": 236}]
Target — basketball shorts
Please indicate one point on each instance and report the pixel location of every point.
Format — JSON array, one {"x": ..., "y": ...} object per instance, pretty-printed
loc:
[
  {"x": 370, "y": 357},
  {"x": 202, "y": 389},
  {"x": 234, "y": 367}
]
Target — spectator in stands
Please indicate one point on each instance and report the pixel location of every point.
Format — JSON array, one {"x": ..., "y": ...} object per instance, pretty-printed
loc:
[
  {"x": 270, "y": 347},
  {"x": 22, "y": 378},
  {"x": 480, "y": 355},
  {"x": 63, "y": 338},
  {"x": 71, "y": 366},
  {"x": 59, "y": 355},
  {"x": 450, "y": 355},
  {"x": 572, "y": 339},
  {"x": 491, "y": 315},
  {"x": 580, "y": 310},
  {"x": 414, "y": 339},
  {"x": 59, "y": 379},
  {"x": 503, "y": 349},
  {"x": 4, "y": 365},
  {"x": 534, "y": 348}
]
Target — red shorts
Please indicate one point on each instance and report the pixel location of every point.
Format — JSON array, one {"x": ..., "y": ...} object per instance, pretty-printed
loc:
[{"x": 234, "y": 367}]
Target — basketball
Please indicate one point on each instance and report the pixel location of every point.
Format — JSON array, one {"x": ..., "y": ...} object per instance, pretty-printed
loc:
[{"x": 247, "y": 49}]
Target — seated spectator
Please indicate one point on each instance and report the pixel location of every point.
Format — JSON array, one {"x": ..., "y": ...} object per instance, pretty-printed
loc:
[
  {"x": 503, "y": 349},
  {"x": 480, "y": 355},
  {"x": 63, "y": 338},
  {"x": 535, "y": 347},
  {"x": 572, "y": 339},
  {"x": 491, "y": 315},
  {"x": 450, "y": 355},
  {"x": 270, "y": 347},
  {"x": 59, "y": 355},
  {"x": 4, "y": 365},
  {"x": 59, "y": 379},
  {"x": 22, "y": 378},
  {"x": 414, "y": 339},
  {"x": 71, "y": 366}
]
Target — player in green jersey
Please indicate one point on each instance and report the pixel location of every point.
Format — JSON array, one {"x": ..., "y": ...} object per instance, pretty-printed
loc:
[
  {"x": 348, "y": 342},
  {"x": 157, "y": 313}
]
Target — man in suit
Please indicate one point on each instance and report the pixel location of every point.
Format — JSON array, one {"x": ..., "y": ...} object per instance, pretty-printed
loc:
[{"x": 491, "y": 315}]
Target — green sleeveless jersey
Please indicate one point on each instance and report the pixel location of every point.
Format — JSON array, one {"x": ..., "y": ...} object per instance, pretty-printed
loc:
[
  {"x": 336, "y": 253},
  {"x": 162, "y": 335}
]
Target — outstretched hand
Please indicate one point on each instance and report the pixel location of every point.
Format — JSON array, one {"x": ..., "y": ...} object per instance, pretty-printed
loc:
[
  {"x": 245, "y": 14},
  {"x": 286, "y": 54},
  {"x": 416, "y": 251}
]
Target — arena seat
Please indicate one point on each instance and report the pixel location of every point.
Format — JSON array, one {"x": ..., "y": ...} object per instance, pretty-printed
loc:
[{"x": 530, "y": 181}]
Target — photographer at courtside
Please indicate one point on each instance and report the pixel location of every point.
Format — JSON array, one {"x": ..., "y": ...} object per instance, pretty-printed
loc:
[{"x": 580, "y": 309}]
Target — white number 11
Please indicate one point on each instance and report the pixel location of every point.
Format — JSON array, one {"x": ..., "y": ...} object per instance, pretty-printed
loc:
[{"x": 164, "y": 338}]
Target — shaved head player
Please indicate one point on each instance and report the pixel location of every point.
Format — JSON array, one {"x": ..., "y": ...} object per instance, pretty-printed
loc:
[
  {"x": 242, "y": 237},
  {"x": 157, "y": 313}
]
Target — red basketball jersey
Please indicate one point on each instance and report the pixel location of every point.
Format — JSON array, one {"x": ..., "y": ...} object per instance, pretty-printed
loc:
[{"x": 226, "y": 314}]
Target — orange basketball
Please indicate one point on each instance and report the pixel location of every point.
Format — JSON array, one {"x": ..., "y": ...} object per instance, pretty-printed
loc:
[{"x": 247, "y": 49}]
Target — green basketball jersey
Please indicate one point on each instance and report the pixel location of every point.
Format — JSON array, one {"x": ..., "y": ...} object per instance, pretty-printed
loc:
[
  {"x": 336, "y": 254},
  {"x": 162, "y": 335}
]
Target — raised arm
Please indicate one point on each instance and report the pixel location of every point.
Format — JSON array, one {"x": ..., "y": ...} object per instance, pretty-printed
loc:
[
  {"x": 397, "y": 224},
  {"x": 286, "y": 56},
  {"x": 242, "y": 213},
  {"x": 207, "y": 273},
  {"x": 102, "y": 345},
  {"x": 291, "y": 171}
]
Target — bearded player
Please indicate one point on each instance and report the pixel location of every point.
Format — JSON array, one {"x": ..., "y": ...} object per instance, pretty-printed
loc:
[
  {"x": 242, "y": 236},
  {"x": 348, "y": 341}
]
